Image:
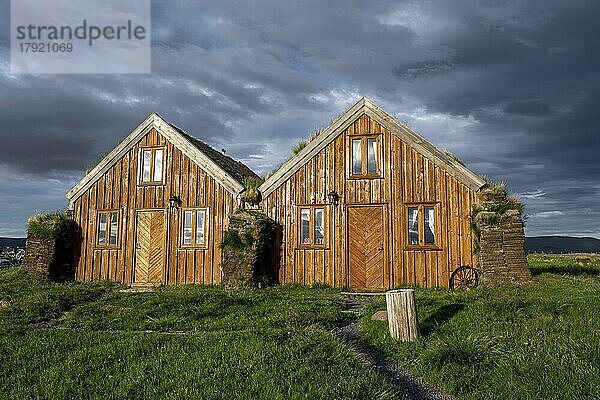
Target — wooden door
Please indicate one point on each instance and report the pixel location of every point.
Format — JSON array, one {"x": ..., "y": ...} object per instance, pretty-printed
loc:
[
  {"x": 366, "y": 247},
  {"x": 150, "y": 247}
]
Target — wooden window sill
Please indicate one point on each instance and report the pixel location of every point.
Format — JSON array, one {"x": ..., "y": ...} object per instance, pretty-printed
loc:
[
  {"x": 312, "y": 246},
  {"x": 366, "y": 176},
  {"x": 151, "y": 184},
  {"x": 421, "y": 248}
]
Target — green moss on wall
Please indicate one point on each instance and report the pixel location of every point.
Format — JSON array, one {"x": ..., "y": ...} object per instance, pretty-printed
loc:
[
  {"x": 247, "y": 248},
  {"x": 52, "y": 225},
  {"x": 494, "y": 202}
]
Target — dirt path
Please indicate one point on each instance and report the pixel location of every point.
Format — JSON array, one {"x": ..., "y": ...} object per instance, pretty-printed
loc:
[{"x": 409, "y": 385}]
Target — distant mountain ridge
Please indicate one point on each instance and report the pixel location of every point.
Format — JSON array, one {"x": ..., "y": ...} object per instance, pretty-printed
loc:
[
  {"x": 534, "y": 244},
  {"x": 561, "y": 244},
  {"x": 12, "y": 242}
]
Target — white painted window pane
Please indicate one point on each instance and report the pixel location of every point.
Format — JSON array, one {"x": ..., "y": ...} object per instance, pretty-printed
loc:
[
  {"x": 102, "y": 229},
  {"x": 146, "y": 166},
  {"x": 187, "y": 227},
  {"x": 200, "y": 218},
  {"x": 356, "y": 156},
  {"x": 319, "y": 226},
  {"x": 305, "y": 226},
  {"x": 372, "y": 156},
  {"x": 429, "y": 225},
  {"x": 113, "y": 229},
  {"x": 158, "y": 165},
  {"x": 413, "y": 225}
]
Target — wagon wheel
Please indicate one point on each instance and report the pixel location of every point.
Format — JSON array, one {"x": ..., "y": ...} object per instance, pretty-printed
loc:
[{"x": 464, "y": 277}]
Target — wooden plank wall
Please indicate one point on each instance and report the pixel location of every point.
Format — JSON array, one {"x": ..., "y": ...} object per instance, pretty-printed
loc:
[
  {"x": 118, "y": 189},
  {"x": 407, "y": 177}
]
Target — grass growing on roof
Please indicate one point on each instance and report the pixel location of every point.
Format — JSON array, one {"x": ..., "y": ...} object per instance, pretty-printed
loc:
[
  {"x": 303, "y": 143},
  {"x": 537, "y": 341},
  {"x": 297, "y": 148},
  {"x": 252, "y": 183}
]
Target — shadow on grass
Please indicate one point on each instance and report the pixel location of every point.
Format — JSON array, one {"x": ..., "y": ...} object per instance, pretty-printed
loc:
[
  {"x": 571, "y": 270},
  {"x": 439, "y": 317}
]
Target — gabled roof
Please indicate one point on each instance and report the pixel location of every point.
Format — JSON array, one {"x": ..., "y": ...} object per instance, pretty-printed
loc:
[
  {"x": 236, "y": 169},
  {"x": 223, "y": 169},
  {"x": 366, "y": 106}
]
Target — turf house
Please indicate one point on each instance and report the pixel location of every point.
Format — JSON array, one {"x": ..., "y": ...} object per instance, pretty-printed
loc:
[{"x": 367, "y": 203}]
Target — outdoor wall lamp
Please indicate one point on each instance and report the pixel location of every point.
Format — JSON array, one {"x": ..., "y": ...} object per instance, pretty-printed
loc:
[
  {"x": 174, "y": 201},
  {"x": 333, "y": 198}
]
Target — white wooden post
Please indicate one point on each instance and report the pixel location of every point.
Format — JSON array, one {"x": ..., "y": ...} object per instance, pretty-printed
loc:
[{"x": 402, "y": 314}]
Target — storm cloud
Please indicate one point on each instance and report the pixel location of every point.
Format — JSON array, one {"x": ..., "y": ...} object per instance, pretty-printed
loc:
[{"x": 511, "y": 87}]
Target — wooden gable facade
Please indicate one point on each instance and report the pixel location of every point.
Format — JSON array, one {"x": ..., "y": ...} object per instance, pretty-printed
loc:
[
  {"x": 370, "y": 204},
  {"x": 154, "y": 210},
  {"x": 367, "y": 204}
]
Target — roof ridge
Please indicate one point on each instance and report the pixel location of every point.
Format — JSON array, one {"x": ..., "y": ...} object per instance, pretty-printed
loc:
[
  {"x": 223, "y": 160},
  {"x": 224, "y": 169},
  {"x": 366, "y": 106}
]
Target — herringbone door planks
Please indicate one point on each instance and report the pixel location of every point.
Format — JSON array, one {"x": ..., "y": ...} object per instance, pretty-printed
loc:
[
  {"x": 366, "y": 252},
  {"x": 149, "y": 256}
]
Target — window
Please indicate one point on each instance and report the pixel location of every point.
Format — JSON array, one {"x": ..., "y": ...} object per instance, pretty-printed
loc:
[
  {"x": 312, "y": 226},
  {"x": 108, "y": 228},
  {"x": 152, "y": 166},
  {"x": 421, "y": 225},
  {"x": 366, "y": 157},
  {"x": 413, "y": 225},
  {"x": 194, "y": 227}
]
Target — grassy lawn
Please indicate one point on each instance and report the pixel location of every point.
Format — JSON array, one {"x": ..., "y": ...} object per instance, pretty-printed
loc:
[
  {"x": 540, "y": 341},
  {"x": 210, "y": 309},
  {"x": 90, "y": 341},
  {"x": 261, "y": 344}
]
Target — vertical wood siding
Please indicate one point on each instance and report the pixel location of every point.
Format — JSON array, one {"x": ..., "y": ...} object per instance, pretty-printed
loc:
[
  {"x": 118, "y": 189},
  {"x": 408, "y": 177}
]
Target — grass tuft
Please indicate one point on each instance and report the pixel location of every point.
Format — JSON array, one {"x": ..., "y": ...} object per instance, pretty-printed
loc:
[{"x": 52, "y": 225}]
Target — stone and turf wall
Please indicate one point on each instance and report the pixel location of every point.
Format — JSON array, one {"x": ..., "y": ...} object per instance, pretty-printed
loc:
[
  {"x": 49, "y": 246},
  {"x": 502, "y": 248},
  {"x": 247, "y": 249}
]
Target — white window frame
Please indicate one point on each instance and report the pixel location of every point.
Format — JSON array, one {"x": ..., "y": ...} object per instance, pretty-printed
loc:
[
  {"x": 152, "y": 172},
  {"x": 108, "y": 228},
  {"x": 194, "y": 227},
  {"x": 312, "y": 229},
  {"x": 421, "y": 207},
  {"x": 364, "y": 156}
]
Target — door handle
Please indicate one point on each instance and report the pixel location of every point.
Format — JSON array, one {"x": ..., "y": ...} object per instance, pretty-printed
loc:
[{"x": 380, "y": 247}]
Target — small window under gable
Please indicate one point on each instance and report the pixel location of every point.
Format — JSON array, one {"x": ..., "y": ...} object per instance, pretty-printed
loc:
[
  {"x": 152, "y": 165},
  {"x": 365, "y": 156}
]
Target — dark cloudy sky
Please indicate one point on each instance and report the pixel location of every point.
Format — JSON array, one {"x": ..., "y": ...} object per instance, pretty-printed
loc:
[{"x": 511, "y": 87}]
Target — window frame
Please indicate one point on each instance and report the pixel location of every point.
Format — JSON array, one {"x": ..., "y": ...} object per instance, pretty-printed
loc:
[
  {"x": 194, "y": 211},
  {"x": 152, "y": 150},
  {"x": 109, "y": 214},
  {"x": 311, "y": 229},
  {"x": 421, "y": 216},
  {"x": 364, "y": 151}
]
